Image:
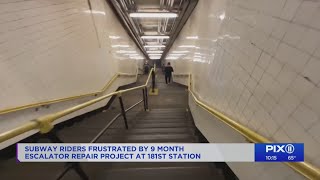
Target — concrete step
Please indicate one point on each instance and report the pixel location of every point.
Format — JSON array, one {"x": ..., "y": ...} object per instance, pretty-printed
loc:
[
  {"x": 161, "y": 117},
  {"x": 162, "y": 121},
  {"x": 178, "y": 130},
  {"x": 168, "y": 110},
  {"x": 142, "y": 138},
  {"x": 163, "y": 125},
  {"x": 183, "y": 111}
]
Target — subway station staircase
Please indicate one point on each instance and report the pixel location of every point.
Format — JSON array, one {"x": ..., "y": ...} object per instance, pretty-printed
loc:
[
  {"x": 167, "y": 121},
  {"x": 155, "y": 126}
]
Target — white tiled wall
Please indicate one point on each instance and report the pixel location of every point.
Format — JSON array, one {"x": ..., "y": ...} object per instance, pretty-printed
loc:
[
  {"x": 51, "y": 49},
  {"x": 259, "y": 64}
]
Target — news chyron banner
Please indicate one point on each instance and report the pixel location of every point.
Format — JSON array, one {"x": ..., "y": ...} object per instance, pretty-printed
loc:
[{"x": 220, "y": 152}]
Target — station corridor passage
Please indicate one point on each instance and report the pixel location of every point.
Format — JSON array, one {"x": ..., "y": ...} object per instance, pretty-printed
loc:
[{"x": 167, "y": 121}]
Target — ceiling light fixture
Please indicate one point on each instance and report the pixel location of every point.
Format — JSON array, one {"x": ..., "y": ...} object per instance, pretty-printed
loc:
[
  {"x": 155, "y": 37},
  {"x": 153, "y": 15},
  {"x": 170, "y": 57},
  {"x": 155, "y": 55},
  {"x": 176, "y": 54},
  {"x": 187, "y": 46},
  {"x": 154, "y": 52},
  {"x": 114, "y": 37},
  {"x": 192, "y": 37},
  {"x": 122, "y": 52},
  {"x": 152, "y": 46},
  {"x": 114, "y": 46},
  {"x": 136, "y": 57},
  {"x": 180, "y": 51}
]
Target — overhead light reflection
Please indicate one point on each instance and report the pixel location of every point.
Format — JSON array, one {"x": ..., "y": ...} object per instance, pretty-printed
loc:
[
  {"x": 134, "y": 57},
  {"x": 222, "y": 16},
  {"x": 154, "y": 51},
  {"x": 95, "y": 12},
  {"x": 114, "y": 37},
  {"x": 170, "y": 57},
  {"x": 198, "y": 60},
  {"x": 155, "y": 54},
  {"x": 153, "y": 15},
  {"x": 155, "y": 37},
  {"x": 152, "y": 46},
  {"x": 192, "y": 37},
  {"x": 156, "y": 57},
  {"x": 122, "y": 51},
  {"x": 177, "y": 54},
  {"x": 189, "y": 46},
  {"x": 180, "y": 51},
  {"x": 114, "y": 46}
]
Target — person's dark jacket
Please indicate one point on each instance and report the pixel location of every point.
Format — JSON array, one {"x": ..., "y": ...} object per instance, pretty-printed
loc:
[{"x": 168, "y": 70}]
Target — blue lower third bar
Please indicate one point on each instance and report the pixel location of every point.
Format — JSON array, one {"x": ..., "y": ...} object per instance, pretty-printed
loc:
[{"x": 279, "y": 152}]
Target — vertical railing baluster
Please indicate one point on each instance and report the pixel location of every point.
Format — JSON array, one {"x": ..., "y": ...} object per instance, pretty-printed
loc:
[
  {"x": 144, "y": 99},
  {"x": 123, "y": 112},
  {"x": 146, "y": 94}
]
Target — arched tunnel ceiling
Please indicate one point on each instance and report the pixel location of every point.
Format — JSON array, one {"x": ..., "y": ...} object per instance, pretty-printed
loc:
[{"x": 154, "y": 36}]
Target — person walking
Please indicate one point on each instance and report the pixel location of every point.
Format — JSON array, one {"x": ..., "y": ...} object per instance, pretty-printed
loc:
[
  {"x": 168, "y": 73},
  {"x": 146, "y": 68}
]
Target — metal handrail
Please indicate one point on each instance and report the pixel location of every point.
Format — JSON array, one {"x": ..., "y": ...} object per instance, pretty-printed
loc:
[
  {"x": 112, "y": 121},
  {"x": 53, "y": 101},
  {"x": 80, "y": 171},
  {"x": 304, "y": 168},
  {"x": 44, "y": 123}
]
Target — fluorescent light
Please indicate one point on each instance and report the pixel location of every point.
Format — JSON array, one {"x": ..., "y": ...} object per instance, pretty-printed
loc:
[
  {"x": 120, "y": 46},
  {"x": 154, "y": 52},
  {"x": 95, "y": 12},
  {"x": 155, "y": 37},
  {"x": 155, "y": 57},
  {"x": 153, "y": 49},
  {"x": 187, "y": 46},
  {"x": 177, "y": 54},
  {"x": 172, "y": 57},
  {"x": 222, "y": 16},
  {"x": 135, "y": 57},
  {"x": 151, "y": 46},
  {"x": 192, "y": 37},
  {"x": 154, "y": 15},
  {"x": 122, "y": 52},
  {"x": 114, "y": 37},
  {"x": 180, "y": 51},
  {"x": 198, "y": 60}
]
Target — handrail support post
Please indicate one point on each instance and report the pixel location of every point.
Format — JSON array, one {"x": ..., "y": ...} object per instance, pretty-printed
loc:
[
  {"x": 153, "y": 80},
  {"x": 144, "y": 99},
  {"x": 123, "y": 112},
  {"x": 146, "y": 96}
]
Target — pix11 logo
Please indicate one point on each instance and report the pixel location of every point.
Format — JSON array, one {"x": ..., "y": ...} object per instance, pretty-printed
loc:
[
  {"x": 279, "y": 152},
  {"x": 289, "y": 148}
]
